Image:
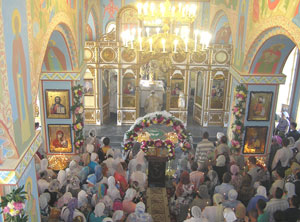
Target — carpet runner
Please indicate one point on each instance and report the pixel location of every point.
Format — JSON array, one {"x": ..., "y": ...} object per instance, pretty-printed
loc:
[{"x": 157, "y": 204}]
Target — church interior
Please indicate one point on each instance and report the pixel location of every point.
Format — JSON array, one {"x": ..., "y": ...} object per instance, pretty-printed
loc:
[{"x": 160, "y": 110}]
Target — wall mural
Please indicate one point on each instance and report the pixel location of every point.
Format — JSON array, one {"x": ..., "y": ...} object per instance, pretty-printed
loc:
[
  {"x": 241, "y": 34},
  {"x": 18, "y": 69},
  {"x": 222, "y": 33},
  {"x": 110, "y": 9},
  {"x": 90, "y": 29},
  {"x": 28, "y": 180},
  {"x": 80, "y": 31},
  {"x": 271, "y": 56},
  {"x": 231, "y": 4},
  {"x": 57, "y": 56}
]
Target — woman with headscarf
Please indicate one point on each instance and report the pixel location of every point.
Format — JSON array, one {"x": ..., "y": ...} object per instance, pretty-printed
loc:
[
  {"x": 220, "y": 167},
  {"x": 53, "y": 190},
  {"x": 109, "y": 162},
  {"x": 82, "y": 200},
  {"x": 183, "y": 166},
  {"x": 98, "y": 214},
  {"x": 74, "y": 168},
  {"x": 138, "y": 179},
  {"x": 201, "y": 198},
  {"x": 128, "y": 204},
  {"x": 139, "y": 214},
  {"x": 69, "y": 212},
  {"x": 232, "y": 202},
  {"x": 64, "y": 200},
  {"x": 215, "y": 212},
  {"x": 118, "y": 216},
  {"x": 120, "y": 177},
  {"x": 44, "y": 167},
  {"x": 276, "y": 145},
  {"x": 196, "y": 215},
  {"x": 74, "y": 186},
  {"x": 139, "y": 159},
  {"x": 44, "y": 207},
  {"x": 98, "y": 173},
  {"x": 212, "y": 182},
  {"x": 246, "y": 192},
  {"x": 236, "y": 177},
  {"x": 229, "y": 215},
  {"x": 261, "y": 193},
  {"x": 112, "y": 190},
  {"x": 94, "y": 162},
  {"x": 62, "y": 178},
  {"x": 84, "y": 174},
  {"x": 108, "y": 204}
]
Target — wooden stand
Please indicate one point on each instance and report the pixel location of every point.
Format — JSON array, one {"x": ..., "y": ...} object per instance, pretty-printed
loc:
[{"x": 156, "y": 171}]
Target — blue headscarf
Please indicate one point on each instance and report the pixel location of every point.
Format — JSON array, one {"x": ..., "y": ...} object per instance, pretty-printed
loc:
[
  {"x": 72, "y": 205},
  {"x": 84, "y": 173},
  {"x": 98, "y": 173}
]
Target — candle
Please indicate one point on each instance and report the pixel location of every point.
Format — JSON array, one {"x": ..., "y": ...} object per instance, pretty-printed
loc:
[
  {"x": 176, "y": 31},
  {"x": 175, "y": 45},
  {"x": 140, "y": 40},
  {"x": 150, "y": 42},
  {"x": 157, "y": 30},
  {"x": 180, "y": 5},
  {"x": 148, "y": 31},
  {"x": 146, "y": 8},
  {"x": 140, "y": 32},
  {"x": 152, "y": 7},
  {"x": 196, "y": 34},
  {"x": 186, "y": 44},
  {"x": 163, "y": 41},
  {"x": 139, "y": 6}
]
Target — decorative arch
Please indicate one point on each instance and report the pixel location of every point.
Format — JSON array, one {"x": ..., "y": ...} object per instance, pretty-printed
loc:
[
  {"x": 92, "y": 21},
  {"x": 260, "y": 41},
  {"x": 221, "y": 28},
  {"x": 272, "y": 54},
  {"x": 126, "y": 14}
]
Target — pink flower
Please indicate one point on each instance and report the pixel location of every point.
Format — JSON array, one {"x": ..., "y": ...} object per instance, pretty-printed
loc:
[
  {"x": 18, "y": 205},
  {"x": 238, "y": 127},
  {"x": 235, "y": 109},
  {"x": 6, "y": 210}
]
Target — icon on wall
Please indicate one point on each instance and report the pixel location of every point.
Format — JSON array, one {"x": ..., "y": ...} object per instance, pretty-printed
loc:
[
  {"x": 60, "y": 138},
  {"x": 57, "y": 104},
  {"x": 260, "y": 106}
]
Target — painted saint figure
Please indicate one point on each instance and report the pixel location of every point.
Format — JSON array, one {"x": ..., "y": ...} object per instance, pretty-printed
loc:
[
  {"x": 57, "y": 107},
  {"x": 60, "y": 141},
  {"x": 19, "y": 72},
  {"x": 259, "y": 109},
  {"x": 30, "y": 207}
]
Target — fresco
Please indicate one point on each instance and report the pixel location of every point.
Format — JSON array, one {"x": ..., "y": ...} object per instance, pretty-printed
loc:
[
  {"x": 271, "y": 56},
  {"x": 241, "y": 34},
  {"x": 231, "y": 4},
  {"x": 90, "y": 31},
  {"x": 57, "y": 56},
  {"x": 28, "y": 180},
  {"x": 109, "y": 9},
  {"x": 18, "y": 70},
  {"x": 222, "y": 33}
]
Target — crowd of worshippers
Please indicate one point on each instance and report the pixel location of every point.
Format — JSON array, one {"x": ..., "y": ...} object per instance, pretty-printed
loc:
[
  {"x": 97, "y": 186},
  {"x": 212, "y": 183},
  {"x": 216, "y": 183}
]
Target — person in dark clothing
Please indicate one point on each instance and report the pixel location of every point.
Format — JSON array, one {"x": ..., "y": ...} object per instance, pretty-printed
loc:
[
  {"x": 274, "y": 147},
  {"x": 292, "y": 214},
  {"x": 293, "y": 132},
  {"x": 297, "y": 185}
]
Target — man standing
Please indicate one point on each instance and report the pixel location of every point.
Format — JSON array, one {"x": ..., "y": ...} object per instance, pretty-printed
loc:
[
  {"x": 283, "y": 124},
  {"x": 293, "y": 132},
  {"x": 204, "y": 150}
]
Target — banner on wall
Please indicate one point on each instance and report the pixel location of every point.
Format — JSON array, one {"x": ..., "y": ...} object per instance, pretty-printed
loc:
[{"x": 29, "y": 181}]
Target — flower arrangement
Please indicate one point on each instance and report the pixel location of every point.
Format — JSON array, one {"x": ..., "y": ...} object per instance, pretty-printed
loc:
[
  {"x": 78, "y": 111},
  {"x": 13, "y": 205},
  {"x": 239, "y": 112},
  {"x": 184, "y": 137},
  {"x": 159, "y": 144}
]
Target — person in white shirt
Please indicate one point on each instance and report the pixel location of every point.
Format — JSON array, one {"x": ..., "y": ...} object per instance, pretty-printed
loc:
[{"x": 283, "y": 155}]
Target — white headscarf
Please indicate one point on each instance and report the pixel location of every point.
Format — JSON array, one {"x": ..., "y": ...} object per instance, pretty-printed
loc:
[
  {"x": 140, "y": 157},
  {"x": 42, "y": 185},
  {"x": 44, "y": 164},
  {"x": 196, "y": 212},
  {"x": 130, "y": 194},
  {"x": 94, "y": 156},
  {"x": 290, "y": 188},
  {"x": 140, "y": 208},
  {"x": 118, "y": 214},
  {"x": 229, "y": 215},
  {"x": 112, "y": 190},
  {"x": 82, "y": 198},
  {"x": 232, "y": 195},
  {"x": 110, "y": 152},
  {"x": 90, "y": 148},
  {"x": 107, "y": 219},
  {"x": 107, "y": 201},
  {"x": 219, "y": 135},
  {"x": 104, "y": 181},
  {"x": 62, "y": 178},
  {"x": 99, "y": 210},
  {"x": 221, "y": 161},
  {"x": 261, "y": 190},
  {"x": 44, "y": 199}
]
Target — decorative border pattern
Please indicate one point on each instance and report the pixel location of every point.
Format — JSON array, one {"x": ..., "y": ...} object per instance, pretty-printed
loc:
[
  {"x": 12, "y": 176},
  {"x": 257, "y": 79},
  {"x": 61, "y": 76}
]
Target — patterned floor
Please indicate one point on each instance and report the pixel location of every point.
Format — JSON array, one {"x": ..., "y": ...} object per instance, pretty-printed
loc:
[{"x": 157, "y": 204}]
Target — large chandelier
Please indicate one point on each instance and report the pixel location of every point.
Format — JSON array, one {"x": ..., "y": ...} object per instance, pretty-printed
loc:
[{"x": 166, "y": 28}]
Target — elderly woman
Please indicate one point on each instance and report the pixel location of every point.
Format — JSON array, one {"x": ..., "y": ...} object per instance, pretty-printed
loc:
[
  {"x": 118, "y": 216},
  {"x": 128, "y": 204},
  {"x": 276, "y": 145},
  {"x": 212, "y": 182},
  {"x": 246, "y": 192},
  {"x": 138, "y": 179},
  {"x": 112, "y": 190},
  {"x": 139, "y": 159},
  {"x": 215, "y": 212},
  {"x": 201, "y": 198},
  {"x": 98, "y": 214},
  {"x": 62, "y": 178},
  {"x": 236, "y": 178},
  {"x": 232, "y": 202},
  {"x": 70, "y": 212},
  {"x": 139, "y": 214},
  {"x": 196, "y": 215},
  {"x": 120, "y": 177},
  {"x": 261, "y": 193}
]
